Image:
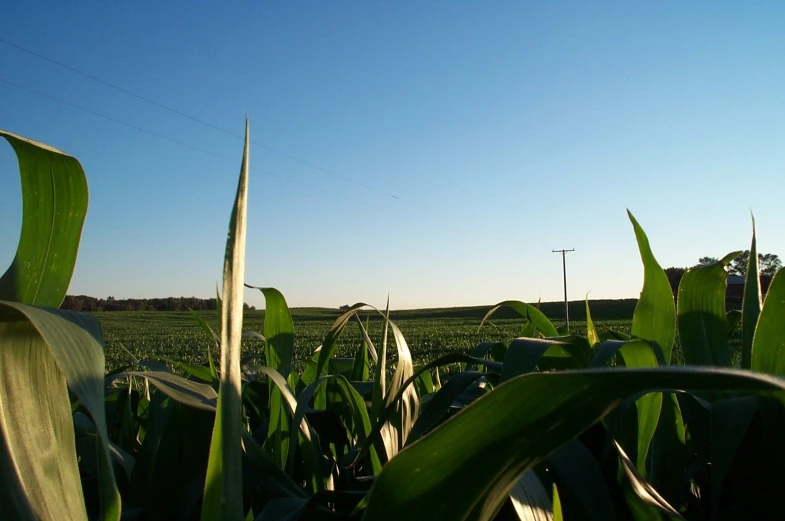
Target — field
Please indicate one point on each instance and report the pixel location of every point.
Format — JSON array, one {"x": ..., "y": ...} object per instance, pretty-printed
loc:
[{"x": 430, "y": 333}]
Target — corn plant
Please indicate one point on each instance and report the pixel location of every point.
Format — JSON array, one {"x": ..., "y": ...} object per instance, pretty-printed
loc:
[{"x": 551, "y": 425}]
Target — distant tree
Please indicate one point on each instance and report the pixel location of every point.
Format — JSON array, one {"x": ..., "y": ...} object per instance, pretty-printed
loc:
[
  {"x": 705, "y": 261},
  {"x": 768, "y": 264},
  {"x": 674, "y": 277}
]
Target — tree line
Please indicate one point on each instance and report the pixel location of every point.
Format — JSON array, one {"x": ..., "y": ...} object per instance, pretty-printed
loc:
[
  {"x": 768, "y": 264},
  {"x": 86, "y": 303}
]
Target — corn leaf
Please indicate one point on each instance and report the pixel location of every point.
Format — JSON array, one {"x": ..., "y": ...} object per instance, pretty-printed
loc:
[
  {"x": 703, "y": 328},
  {"x": 729, "y": 421},
  {"x": 460, "y": 470},
  {"x": 591, "y": 331},
  {"x": 654, "y": 319},
  {"x": 523, "y": 355},
  {"x": 54, "y": 205},
  {"x": 329, "y": 345},
  {"x": 297, "y": 409},
  {"x": 578, "y": 472},
  {"x": 642, "y": 498},
  {"x": 668, "y": 451},
  {"x": 439, "y": 406},
  {"x": 223, "y": 492},
  {"x": 768, "y": 345},
  {"x": 527, "y": 311},
  {"x": 636, "y": 437},
  {"x": 278, "y": 331},
  {"x": 530, "y": 499},
  {"x": 751, "y": 303},
  {"x": 42, "y": 350}
]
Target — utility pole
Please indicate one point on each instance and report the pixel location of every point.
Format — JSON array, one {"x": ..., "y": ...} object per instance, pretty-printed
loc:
[{"x": 564, "y": 269}]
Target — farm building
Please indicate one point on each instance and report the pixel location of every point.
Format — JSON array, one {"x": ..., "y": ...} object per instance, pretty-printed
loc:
[{"x": 735, "y": 289}]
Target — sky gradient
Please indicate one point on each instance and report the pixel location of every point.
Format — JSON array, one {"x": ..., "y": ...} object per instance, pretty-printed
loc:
[{"x": 434, "y": 151}]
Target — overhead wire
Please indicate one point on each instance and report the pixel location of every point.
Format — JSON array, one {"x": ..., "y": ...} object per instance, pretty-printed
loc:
[
  {"x": 203, "y": 122},
  {"x": 207, "y": 152}
]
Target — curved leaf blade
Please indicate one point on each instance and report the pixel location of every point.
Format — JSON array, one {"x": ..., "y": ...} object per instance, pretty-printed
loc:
[
  {"x": 460, "y": 470},
  {"x": 527, "y": 311},
  {"x": 62, "y": 346},
  {"x": 703, "y": 328},
  {"x": 654, "y": 319},
  {"x": 54, "y": 206}
]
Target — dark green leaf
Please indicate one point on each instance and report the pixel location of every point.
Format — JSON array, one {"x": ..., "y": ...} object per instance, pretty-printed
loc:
[
  {"x": 768, "y": 346},
  {"x": 577, "y": 472},
  {"x": 751, "y": 303},
  {"x": 460, "y": 470}
]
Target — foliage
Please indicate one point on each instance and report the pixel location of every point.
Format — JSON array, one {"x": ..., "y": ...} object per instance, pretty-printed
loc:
[
  {"x": 769, "y": 264},
  {"x": 549, "y": 425},
  {"x": 706, "y": 261},
  {"x": 93, "y": 304}
]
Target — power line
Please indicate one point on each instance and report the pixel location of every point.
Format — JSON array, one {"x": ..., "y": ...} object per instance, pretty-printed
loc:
[
  {"x": 200, "y": 121},
  {"x": 208, "y": 152}
]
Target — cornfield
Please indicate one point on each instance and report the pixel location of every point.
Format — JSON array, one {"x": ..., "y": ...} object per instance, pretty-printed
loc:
[{"x": 553, "y": 424}]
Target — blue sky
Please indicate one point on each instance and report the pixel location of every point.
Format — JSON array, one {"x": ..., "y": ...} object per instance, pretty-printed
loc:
[{"x": 502, "y": 129}]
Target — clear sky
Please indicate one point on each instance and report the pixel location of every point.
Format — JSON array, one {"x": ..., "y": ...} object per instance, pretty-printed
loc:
[{"x": 455, "y": 143}]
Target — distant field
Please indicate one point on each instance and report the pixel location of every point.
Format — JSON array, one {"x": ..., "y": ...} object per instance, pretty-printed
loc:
[{"x": 429, "y": 332}]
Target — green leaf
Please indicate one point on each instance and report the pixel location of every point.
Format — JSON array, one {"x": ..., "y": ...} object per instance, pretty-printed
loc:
[
  {"x": 198, "y": 371},
  {"x": 591, "y": 331},
  {"x": 187, "y": 392},
  {"x": 278, "y": 352},
  {"x": 530, "y": 499},
  {"x": 654, "y": 319},
  {"x": 668, "y": 452},
  {"x": 703, "y": 328},
  {"x": 360, "y": 371},
  {"x": 216, "y": 341},
  {"x": 751, "y": 303},
  {"x": 557, "y": 510},
  {"x": 223, "y": 489},
  {"x": 461, "y": 469},
  {"x": 307, "y": 437},
  {"x": 648, "y": 499},
  {"x": 54, "y": 205},
  {"x": 266, "y": 473},
  {"x": 768, "y": 345},
  {"x": 729, "y": 421},
  {"x": 439, "y": 406},
  {"x": 329, "y": 345},
  {"x": 278, "y": 331},
  {"x": 42, "y": 350},
  {"x": 578, "y": 472},
  {"x": 523, "y": 355},
  {"x": 351, "y": 401},
  {"x": 380, "y": 371},
  {"x": 527, "y": 311},
  {"x": 407, "y": 403},
  {"x": 636, "y": 437}
]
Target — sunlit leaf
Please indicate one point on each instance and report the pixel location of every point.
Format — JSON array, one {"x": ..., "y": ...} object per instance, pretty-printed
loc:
[
  {"x": 54, "y": 205},
  {"x": 654, "y": 319},
  {"x": 223, "y": 492}
]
